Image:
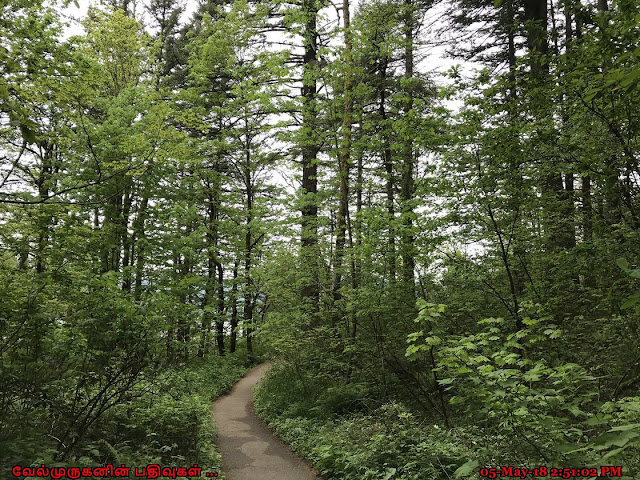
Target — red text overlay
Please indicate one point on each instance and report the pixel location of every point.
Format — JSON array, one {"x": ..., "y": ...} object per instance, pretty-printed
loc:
[
  {"x": 150, "y": 472},
  {"x": 551, "y": 472}
]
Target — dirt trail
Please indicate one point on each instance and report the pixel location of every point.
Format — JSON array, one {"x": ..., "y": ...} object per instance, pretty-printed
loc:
[{"x": 249, "y": 450}]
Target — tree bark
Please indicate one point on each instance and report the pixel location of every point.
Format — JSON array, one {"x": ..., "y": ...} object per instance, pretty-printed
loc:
[
  {"x": 536, "y": 18},
  {"x": 138, "y": 229},
  {"x": 221, "y": 309},
  {"x": 344, "y": 160},
  {"x": 215, "y": 270},
  {"x": 389, "y": 174},
  {"x": 234, "y": 309},
  {"x": 248, "y": 248},
  {"x": 310, "y": 148},
  {"x": 407, "y": 185},
  {"x": 127, "y": 240}
]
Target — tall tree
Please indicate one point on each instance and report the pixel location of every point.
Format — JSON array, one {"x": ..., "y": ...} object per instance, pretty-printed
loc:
[
  {"x": 310, "y": 147},
  {"x": 408, "y": 167},
  {"x": 344, "y": 161}
]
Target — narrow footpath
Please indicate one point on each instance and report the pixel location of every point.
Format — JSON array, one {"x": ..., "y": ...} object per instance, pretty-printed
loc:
[{"x": 249, "y": 450}]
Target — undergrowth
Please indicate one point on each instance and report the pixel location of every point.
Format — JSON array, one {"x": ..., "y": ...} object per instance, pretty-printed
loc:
[
  {"x": 166, "y": 422},
  {"x": 334, "y": 429},
  {"x": 347, "y": 436}
]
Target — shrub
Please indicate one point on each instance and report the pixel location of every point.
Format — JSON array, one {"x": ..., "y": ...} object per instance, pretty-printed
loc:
[{"x": 345, "y": 444}]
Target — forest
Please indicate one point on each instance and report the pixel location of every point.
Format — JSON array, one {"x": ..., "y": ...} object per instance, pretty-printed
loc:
[{"x": 425, "y": 213}]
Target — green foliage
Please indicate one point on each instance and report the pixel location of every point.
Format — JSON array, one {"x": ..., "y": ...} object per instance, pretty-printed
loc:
[
  {"x": 387, "y": 442},
  {"x": 546, "y": 410},
  {"x": 500, "y": 381},
  {"x": 169, "y": 422},
  {"x": 147, "y": 217},
  {"x": 634, "y": 299},
  {"x": 164, "y": 420}
]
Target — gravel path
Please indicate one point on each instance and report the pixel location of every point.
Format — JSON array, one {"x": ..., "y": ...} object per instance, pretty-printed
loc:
[{"x": 249, "y": 450}]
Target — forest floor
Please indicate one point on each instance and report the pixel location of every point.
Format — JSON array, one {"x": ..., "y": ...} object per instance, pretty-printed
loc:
[{"x": 249, "y": 450}]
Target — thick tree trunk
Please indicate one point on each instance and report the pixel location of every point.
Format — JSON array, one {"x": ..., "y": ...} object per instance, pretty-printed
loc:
[
  {"x": 536, "y": 18},
  {"x": 310, "y": 148}
]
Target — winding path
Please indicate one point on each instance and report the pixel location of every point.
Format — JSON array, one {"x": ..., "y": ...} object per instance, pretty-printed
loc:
[{"x": 249, "y": 450}]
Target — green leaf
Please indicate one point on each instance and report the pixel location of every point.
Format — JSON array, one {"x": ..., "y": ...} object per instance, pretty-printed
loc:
[
  {"x": 466, "y": 469},
  {"x": 390, "y": 472},
  {"x": 622, "y": 428},
  {"x": 28, "y": 135},
  {"x": 598, "y": 420},
  {"x": 622, "y": 263},
  {"x": 575, "y": 410},
  {"x": 445, "y": 381},
  {"x": 612, "y": 454},
  {"x": 618, "y": 439},
  {"x": 566, "y": 447},
  {"x": 412, "y": 337},
  {"x": 631, "y": 301}
]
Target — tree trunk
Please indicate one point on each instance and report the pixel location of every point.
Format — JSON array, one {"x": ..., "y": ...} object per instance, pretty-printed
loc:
[
  {"x": 43, "y": 219},
  {"x": 587, "y": 225},
  {"x": 234, "y": 309},
  {"x": 310, "y": 148},
  {"x": 215, "y": 270},
  {"x": 344, "y": 159},
  {"x": 221, "y": 312},
  {"x": 389, "y": 177},
  {"x": 511, "y": 33},
  {"x": 248, "y": 248},
  {"x": 127, "y": 240},
  {"x": 536, "y": 18},
  {"x": 138, "y": 229},
  {"x": 407, "y": 185}
]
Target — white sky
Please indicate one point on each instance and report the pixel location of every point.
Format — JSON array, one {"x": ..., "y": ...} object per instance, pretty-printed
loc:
[
  {"x": 435, "y": 59},
  {"x": 73, "y": 14}
]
